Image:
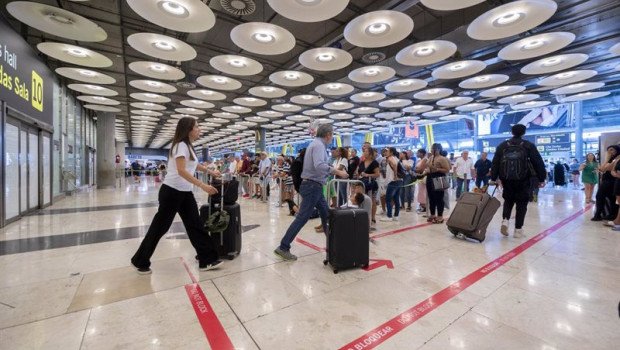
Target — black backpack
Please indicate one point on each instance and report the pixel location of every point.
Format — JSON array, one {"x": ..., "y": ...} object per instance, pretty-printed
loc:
[
  {"x": 296, "y": 169},
  {"x": 400, "y": 171},
  {"x": 514, "y": 162}
]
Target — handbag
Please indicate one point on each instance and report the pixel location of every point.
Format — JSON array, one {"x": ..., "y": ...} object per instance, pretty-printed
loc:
[
  {"x": 440, "y": 183},
  {"x": 370, "y": 184}
]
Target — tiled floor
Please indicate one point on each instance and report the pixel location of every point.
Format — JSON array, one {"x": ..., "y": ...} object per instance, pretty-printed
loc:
[{"x": 562, "y": 293}]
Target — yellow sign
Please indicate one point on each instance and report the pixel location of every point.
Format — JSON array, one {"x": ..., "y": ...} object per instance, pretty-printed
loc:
[{"x": 37, "y": 91}]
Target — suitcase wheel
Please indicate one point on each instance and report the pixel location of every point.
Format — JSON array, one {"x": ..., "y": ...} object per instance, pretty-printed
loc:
[
  {"x": 325, "y": 262},
  {"x": 230, "y": 257},
  {"x": 453, "y": 231},
  {"x": 335, "y": 271},
  {"x": 481, "y": 240}
]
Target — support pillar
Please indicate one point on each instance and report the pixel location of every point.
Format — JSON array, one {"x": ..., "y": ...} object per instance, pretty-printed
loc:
[
  {"x": 106, "y": 147},
  {"x": 578, "y": 114},
  {"x": 347, "y": 140},
  {"x": 260, "y": 137}
]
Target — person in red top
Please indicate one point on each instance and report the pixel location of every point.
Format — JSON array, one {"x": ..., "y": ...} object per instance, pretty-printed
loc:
[{"x": 246, "y": 170}]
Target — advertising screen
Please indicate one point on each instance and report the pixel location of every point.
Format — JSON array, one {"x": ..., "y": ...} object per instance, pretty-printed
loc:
[{"x": 553, "y": 117}]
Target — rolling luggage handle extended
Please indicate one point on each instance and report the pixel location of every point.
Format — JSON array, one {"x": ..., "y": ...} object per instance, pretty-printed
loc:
[{"x": 221, "y": 207}]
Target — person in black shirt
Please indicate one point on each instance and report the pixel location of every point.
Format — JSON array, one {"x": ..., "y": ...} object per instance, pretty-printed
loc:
[
  {"x": 517, "y": 191},
  {"x": 354, "y": 163},
  {"x": 483, "y": 170}
]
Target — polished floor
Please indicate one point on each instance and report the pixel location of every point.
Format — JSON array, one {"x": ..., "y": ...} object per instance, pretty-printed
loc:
[{"x": 66, "y": 283}]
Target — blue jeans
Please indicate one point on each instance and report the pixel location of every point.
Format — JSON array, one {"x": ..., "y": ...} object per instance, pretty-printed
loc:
[
  {"x": 459, "y": 187},
  {"x": 482, "y": 180},
  {"x": 392, "y": 194},
  {"x": 406, "y": 193},
  {"x": 342, "y": 194},
  {"x": 312, "y": 194}
]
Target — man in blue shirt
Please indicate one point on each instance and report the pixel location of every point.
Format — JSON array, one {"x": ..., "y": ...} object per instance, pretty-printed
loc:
[
  {"x": 314, "y": 177},
  {"x": 483, "y": 170}
]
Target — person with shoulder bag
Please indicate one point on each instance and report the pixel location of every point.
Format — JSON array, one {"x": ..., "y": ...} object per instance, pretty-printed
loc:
[
  {"x": 394, "y": 174},
  {"x": 407, "y": 193},
  {"x": 436, "y": 183},
  {"x": 368, "y": 172}
]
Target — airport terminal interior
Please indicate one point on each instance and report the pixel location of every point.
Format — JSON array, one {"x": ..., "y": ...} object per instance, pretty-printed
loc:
[{"x": 92, "y": 93}]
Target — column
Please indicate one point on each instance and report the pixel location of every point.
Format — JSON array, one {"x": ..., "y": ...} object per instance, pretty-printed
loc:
[
  {"x": 578, "y": 115},
  {"x": 347, "y": 140},
  {"x": 106, "y": 150},
  {"x": 260, "y": 136}
]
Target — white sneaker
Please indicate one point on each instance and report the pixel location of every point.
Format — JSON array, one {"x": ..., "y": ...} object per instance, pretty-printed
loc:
[
  {"x": 395, "y": 219},
  {"x": 385, "y": 219},
  {"x": 504, "y": 229},
  {"x": 519, "y": 233}
]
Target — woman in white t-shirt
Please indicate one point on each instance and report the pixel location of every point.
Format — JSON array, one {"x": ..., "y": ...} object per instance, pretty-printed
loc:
[
  {"x": 176, "y": 196},
  {"x": 342, "y": 163}
]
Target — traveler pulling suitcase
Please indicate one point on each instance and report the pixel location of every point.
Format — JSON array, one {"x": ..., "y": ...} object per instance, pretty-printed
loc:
[
  {"x": 472, "y": 214},
  {"x": 347, "y": 237},
  {"x": 228, "y": 241}
]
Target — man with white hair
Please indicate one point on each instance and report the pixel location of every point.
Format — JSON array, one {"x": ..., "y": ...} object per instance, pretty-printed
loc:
[
  {"x": 314, "y": 177},
  {"x": 463, "y": 167}
]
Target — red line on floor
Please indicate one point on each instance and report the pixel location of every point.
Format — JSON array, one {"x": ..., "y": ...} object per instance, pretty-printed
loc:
[
  {"x": 216, "y": 335},
  {"x": 211, "y": 326},
  {"x": 389, "y": 233},
  {"x": 308, "y": 244},
  {"x": 390, "y": 328}
]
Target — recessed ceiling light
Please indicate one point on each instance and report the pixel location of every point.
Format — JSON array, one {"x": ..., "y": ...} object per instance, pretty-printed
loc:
[
  {"x": 268, "y": 89},
  {"x": 60, "y": 19},
  {"x": 94, "y": 87},
  {"x": 325, "y": 57},
  {"x": 206, "y": 92},
  {"x": 99, "y": 98},
  {"x": 250, "y": 99},
  {"x": 158, "y": 68},
  {"x": 87, "y": 73},
  {"x": 457, "y": 67},
  {"x": 173, "y": 8},
  {"x": 307, "y": 97},
  {"x": 368, "y": 94},
  {"x": 533, "y": 45},
  {"x": 566, "y": 75},
  {"x": 153, "y": 84},
  {"x": 334, "y": 86},
  {"x": 405, "y": 83},
  {"x": 237, "y": 63},
  {"x": 77, "y": 53},
  {"x": 501, "y": 88},
  {"x": 552, "y": 62},
  {"x": 482, "y": 79},
  {"x": 377, "y": 29},
  {"x": 432, "y": 91},
  {"x": 508, "y": 19},
  {"x": 263, "y": 38},
  {"x": 150, "y": 95},
  {"x": 291, "y": 76},
  {"x": 163, "y": 45},
  {"x": 424, "y": 51},
  {"x": 198, "y": 102},
  {"x": 220, "y": 80},
  {"x": 575, "y": 86},
  {"x": 371, "y": 72}
]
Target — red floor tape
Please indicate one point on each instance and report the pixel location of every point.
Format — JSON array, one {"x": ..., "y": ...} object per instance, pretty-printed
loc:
[
  {"x": 392, "y": 327},
  {"x": 216, "y": 335}
]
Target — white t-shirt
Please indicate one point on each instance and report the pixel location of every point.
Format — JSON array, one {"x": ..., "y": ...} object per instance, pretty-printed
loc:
[
  {"x": 341, "y": 161},
  {"x": 232, "y": 167},
  {"x": 173, "y": 179},
  {"x": 407, "y": 163},
  {"x": 463, "y": 167},
  {"x": 265, "y": 164}
]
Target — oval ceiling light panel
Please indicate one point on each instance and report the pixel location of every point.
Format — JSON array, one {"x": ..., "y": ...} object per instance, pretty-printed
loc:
[
  {"x": 501, "y": 91},
  {"x": 515, "y": 99},
  {"x": 308, "y": 10},
  {"x": 267, "y": 92},
  {"x": 566, "y": 78},
  {"x": 433, "y": 94},
  {"x": 85, "y": 75},
  {"x": 371, "y": 74},
  {"x": 74, "y": 55},
  {"x": 262, "y": 38},
  {"x": 554, "y": 64},
  {"x": 426, "y": 53},
  {"x": 218, "y": 82},
  {"x": 325, "y": 59},
  {"x": 449, "y": 5},
  {"x": 459, "y": 69},
  {"x": 378, "y": 28},
  {"x": 577, "y": 88},
  {"x": 586, "y": 96},
  {"x": 367, "y": 97},
  {"x": 56, "y": 21},
  {"x": 406, "y": 85},
  {"x": 334, "y": 89},
  {"x": 236, "y": 65},
  {"x": 536, "y": 45},
  {"x": 208, "y": 95},
  {"x": 511, "y": 19},
  {"x": 92, "y": 90},
  {"x": 153, "y": 86},
  {"x": 161, "y": 47},
  {"x": 291, "y": 78},
  {"x": 484, "y": 81},
  {"x": 188, "y": 16},
  {"x": 156, "y": 70}
]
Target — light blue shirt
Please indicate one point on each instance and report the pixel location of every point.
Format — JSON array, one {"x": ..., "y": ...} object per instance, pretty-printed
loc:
[
  {"x": 316, "y": 166},
  {"x": 264, "y": 164}
]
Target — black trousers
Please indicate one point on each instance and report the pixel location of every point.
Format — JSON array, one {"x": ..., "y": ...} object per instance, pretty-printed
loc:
[
  {"x": 435, "y": 198},
  {"x": 605, "y": 198},
  {"x": 516, "y": 192},
  {"x": 171, "y": 202}
]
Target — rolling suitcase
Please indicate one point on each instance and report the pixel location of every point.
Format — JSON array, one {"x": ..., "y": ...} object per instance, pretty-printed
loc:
[
  {"x": 347, "y": 239},
  {"x": 227, "y": 242},
  {"x": 472, "y": 214}
]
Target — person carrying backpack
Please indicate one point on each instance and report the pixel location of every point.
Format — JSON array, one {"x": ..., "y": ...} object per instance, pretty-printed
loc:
[{"x": 515, "y": 161}]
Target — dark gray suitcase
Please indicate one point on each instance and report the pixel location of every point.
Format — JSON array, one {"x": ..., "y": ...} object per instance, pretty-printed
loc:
[
  {"x": 227, "y": 243},
  {"x": 347, "y": 239},
  {"x": 472, "y": 214}
]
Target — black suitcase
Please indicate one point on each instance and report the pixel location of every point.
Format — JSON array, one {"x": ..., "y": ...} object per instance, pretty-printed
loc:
[
  {"x": 228, "y": 243},
  {"x": 347, "y": 239}
]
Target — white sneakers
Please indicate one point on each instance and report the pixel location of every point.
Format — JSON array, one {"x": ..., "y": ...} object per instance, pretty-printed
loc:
[
  {"x": 504, "y": 229},
  {"x": 519, "y": 233},
  {"x": 386, "y": 219}
]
